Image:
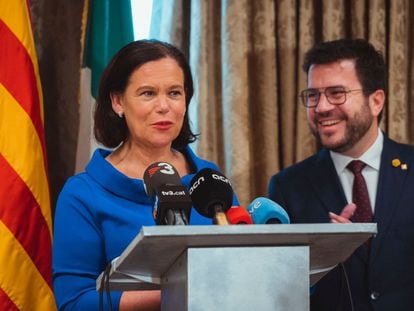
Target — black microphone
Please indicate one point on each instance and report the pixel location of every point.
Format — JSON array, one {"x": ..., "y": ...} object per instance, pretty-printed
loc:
[
  {"x": 172, "y": 201},
  {"x": 212, "y": 194}
]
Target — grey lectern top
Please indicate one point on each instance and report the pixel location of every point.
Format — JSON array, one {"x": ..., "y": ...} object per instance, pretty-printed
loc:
[{"x": 155, "y": 249}]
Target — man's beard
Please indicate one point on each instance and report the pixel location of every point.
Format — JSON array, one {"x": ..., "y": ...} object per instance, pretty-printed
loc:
[{"x": 355, "y": 129}]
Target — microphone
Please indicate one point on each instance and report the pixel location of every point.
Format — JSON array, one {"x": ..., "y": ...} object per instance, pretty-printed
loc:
[
  {"x": 172, "y": 201},
  {"x": 266, "y": 211},
  {"x": 237, "y": 215},
  {"x": 212, "y": 194}
]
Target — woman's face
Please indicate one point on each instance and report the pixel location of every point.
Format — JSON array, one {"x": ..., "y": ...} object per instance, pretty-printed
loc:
[{"x": 153, "y": 103}]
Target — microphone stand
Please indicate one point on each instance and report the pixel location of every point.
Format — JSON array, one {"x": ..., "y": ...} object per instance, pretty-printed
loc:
[
  {"x": 175, "y": 217},
  {"x": 219, "y": 216}
]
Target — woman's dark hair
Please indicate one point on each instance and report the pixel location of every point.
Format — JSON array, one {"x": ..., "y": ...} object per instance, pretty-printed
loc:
[
  {"x": 369, "y": 63},
  {"x": 109, "y": 129}
]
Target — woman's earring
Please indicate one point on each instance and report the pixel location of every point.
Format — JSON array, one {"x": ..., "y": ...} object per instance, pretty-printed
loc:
[{"x": 120, "y": 114}]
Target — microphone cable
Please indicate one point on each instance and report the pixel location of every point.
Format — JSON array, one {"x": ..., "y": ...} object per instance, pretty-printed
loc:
[
  {"x": 105, "y": 287},
  {"x": 348, "y": 286}
]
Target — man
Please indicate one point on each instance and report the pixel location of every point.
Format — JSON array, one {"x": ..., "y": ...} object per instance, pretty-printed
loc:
[{"x": 344, "y": 102}]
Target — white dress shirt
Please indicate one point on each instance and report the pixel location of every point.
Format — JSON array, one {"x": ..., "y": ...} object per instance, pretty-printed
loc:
[{"x": 372, "y": 159}]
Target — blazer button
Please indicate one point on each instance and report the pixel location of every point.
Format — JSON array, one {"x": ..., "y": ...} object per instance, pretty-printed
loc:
[{"x": 374, "y": 295}]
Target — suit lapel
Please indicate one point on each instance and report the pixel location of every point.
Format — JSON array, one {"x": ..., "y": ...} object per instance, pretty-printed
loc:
[
  {"x": 390, "y": 185},
  {"x": 325, "y": 183}
]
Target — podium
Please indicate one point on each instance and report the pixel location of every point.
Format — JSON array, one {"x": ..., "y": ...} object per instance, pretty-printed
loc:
[{"x": 235, "y": 267}]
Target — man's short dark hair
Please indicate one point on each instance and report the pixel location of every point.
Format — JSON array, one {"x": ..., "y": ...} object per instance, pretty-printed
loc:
[
  {"x": 109, "y": 129},
  {"x": 369, "y": 62}
]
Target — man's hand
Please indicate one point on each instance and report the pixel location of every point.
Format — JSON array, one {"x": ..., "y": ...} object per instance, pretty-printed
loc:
[{"x": 345, "y": 215}]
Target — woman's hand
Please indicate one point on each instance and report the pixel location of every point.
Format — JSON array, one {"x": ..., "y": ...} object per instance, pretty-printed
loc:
[{"x": 145, "y": 300}]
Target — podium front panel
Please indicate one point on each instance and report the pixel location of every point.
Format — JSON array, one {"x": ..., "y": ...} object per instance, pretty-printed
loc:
[{"x": 238, "y": 278}]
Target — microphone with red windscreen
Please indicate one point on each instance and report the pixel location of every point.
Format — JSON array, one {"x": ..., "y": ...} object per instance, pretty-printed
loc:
[{"x": 237, "y": 215}]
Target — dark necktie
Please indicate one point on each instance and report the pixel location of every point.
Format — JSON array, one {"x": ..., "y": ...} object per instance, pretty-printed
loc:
[{"x": 360, "y": 197}]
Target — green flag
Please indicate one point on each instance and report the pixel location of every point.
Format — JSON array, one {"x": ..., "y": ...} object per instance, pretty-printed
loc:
[{"x": 107, "y": 27}]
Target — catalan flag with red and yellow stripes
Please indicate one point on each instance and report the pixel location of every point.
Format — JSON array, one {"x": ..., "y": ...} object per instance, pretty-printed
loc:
[{"x": 25, "y": 211}]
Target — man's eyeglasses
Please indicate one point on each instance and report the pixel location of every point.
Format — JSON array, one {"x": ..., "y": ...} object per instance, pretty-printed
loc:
[{"x": 336, "y": 95}]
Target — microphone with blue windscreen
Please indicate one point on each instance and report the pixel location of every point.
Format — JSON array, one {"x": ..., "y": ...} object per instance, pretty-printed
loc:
[{"x": 266, "y": 211}]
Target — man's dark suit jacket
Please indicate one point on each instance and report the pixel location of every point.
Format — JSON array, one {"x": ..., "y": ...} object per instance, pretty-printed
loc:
[{"x": 384, "y": 279}]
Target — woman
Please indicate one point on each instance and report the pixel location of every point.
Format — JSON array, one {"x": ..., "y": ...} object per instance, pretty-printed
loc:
[{"x": 141, "y": 112}]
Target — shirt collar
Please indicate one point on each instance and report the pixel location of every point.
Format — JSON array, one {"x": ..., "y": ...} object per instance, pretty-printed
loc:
[{"x": 371, "y": 157}]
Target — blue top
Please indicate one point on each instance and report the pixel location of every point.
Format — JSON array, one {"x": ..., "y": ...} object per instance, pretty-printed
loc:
[{"x": 98, "y": 214}]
